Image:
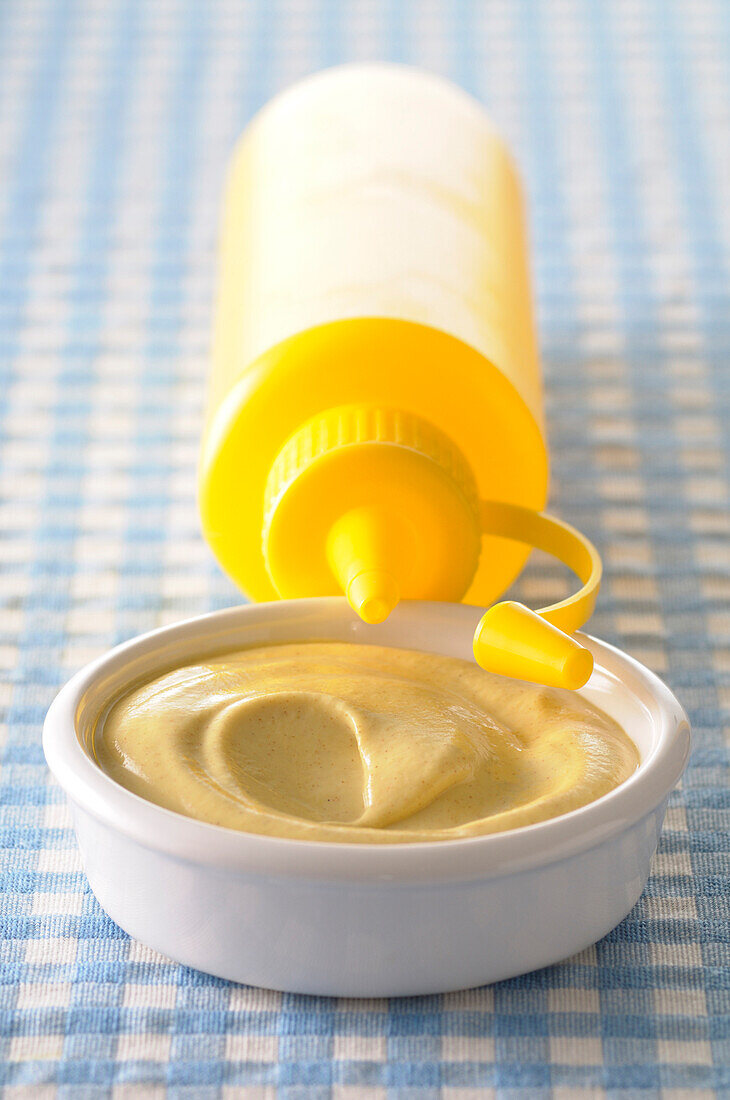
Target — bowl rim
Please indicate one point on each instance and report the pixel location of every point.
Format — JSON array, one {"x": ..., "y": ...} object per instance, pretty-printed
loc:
[{"x": 461, "y": 858}]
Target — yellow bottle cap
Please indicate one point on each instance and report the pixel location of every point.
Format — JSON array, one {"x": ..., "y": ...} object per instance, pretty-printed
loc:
[
  {"x": 382, "y": 506},
  {"x": 375, "y": 503}
]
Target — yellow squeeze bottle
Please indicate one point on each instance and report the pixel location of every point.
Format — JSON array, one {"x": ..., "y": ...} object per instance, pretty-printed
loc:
[{"x": 375, "y": 422}]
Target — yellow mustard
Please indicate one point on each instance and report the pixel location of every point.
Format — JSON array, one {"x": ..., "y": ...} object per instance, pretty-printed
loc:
[{"x": 343, "y": 742}]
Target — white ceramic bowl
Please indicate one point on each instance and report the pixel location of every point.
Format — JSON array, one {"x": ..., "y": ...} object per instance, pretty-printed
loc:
[{"x": 350, "y": 919}]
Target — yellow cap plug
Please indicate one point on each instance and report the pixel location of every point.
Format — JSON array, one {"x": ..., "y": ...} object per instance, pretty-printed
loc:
[{"x": 512, "y": 640}]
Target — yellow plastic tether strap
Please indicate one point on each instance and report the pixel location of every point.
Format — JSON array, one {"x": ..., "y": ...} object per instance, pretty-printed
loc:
[{"x": 512, "y": 640}]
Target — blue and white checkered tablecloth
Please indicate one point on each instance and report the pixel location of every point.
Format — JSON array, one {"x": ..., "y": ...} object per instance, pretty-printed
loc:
[{"x": 117, "y": 117}]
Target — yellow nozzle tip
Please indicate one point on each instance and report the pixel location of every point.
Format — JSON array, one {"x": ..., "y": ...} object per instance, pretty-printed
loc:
[
  {"x": 374, "y": 610},
  {"x": 373, "y": 595}
]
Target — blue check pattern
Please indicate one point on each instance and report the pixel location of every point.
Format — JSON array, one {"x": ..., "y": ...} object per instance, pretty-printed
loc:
[{"x": 117, "y": 119}]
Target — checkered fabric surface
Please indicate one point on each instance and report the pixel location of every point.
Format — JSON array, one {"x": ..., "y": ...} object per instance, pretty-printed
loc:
[{"x": 117, "y": 118}]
